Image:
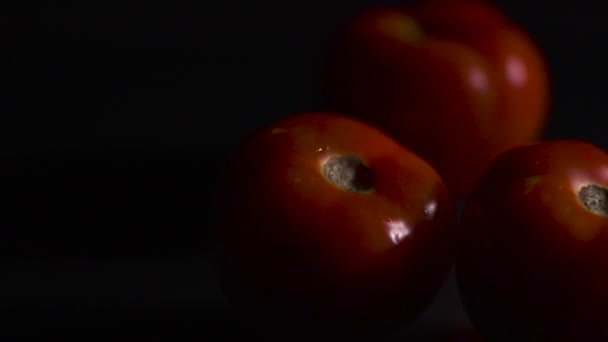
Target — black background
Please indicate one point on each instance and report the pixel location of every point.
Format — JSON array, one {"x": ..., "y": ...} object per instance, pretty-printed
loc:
[{"x": 115, "y": 119}]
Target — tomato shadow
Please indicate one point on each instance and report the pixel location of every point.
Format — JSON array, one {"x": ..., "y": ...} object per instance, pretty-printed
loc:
[
  {"x": 176, "y": 300},
  {"x": 439, "y": 334},
  {"x": 176, "y": 324}
]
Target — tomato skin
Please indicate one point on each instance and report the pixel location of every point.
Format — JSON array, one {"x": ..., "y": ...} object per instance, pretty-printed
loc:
[
  {"x": 532, "y": 261},
  {"x": 299, "y": 249},
  {"x": 455, "y": 81}
]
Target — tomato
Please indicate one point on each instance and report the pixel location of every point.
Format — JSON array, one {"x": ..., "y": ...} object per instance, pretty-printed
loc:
[
  {"x": 533, "y": 260},
  {"x": 328, "y": 221},
  {"x": 457, "y": 82}
]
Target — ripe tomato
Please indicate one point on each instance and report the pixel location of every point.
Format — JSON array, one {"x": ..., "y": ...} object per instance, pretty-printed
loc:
[
  {"x": 455, "y": 81},
  {"x": 324, "y": 219},
  {"x": 533, "y": 261}
]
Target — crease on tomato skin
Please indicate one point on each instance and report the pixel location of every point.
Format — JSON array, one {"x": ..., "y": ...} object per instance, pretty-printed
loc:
[
  {"x": 278, "y": 130},
  {"x": 463, "y": 17},
  {"x": 531, "y": 183},
  {"x": 399, "y": 26}
]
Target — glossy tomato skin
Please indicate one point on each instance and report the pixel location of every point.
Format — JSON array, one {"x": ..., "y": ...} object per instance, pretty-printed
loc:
[
  {"x": 301, "y": 252},
  {"x": 533, "y": 261},
  {"x": 455, "y": 81}
]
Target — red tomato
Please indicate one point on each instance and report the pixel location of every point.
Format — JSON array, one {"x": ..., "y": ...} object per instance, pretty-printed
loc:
[
  {"x": 327, "y": 220},
  {"x": 455, "y": 81},
  {"x": 533, "y": 263}
]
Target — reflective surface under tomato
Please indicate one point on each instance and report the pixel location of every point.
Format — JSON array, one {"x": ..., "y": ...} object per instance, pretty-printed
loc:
[
  {"x": 533, "y": 260},
  {"x": 455, "y": 81},
  {"x": 327, "y": 221}
]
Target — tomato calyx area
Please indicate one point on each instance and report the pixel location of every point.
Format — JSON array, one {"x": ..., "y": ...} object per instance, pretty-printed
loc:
[
  {"x": 594, "y": 198},
  {"x": 348, "y": 173}
]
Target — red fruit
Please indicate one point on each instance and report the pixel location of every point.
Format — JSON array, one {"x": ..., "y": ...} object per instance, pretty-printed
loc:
[
  {"x": 455, "y": 81},
  {"x": 533, "y": 263},
  {"x": 327, "y": 220}
]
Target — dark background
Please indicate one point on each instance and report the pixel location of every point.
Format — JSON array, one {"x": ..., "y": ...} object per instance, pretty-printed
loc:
[{"x": 115, "y": 119}]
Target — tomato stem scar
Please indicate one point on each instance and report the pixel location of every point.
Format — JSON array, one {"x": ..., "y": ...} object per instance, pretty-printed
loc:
[
  {"x": 594, "y": 198},
  {"x": 348, "y": 173}
]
